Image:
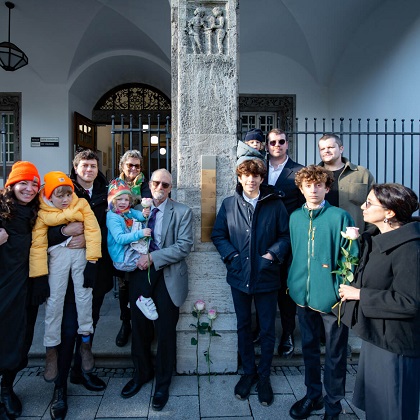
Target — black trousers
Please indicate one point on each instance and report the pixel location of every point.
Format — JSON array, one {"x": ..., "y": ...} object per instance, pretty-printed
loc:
[
  {"x": 143, "y": 329},
  {"x": 336, "y": 337},
  {"x": 70, "y": 340}
]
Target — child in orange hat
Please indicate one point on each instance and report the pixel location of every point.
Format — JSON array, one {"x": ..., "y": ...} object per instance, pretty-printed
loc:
[{"x": 60, "y": 205}]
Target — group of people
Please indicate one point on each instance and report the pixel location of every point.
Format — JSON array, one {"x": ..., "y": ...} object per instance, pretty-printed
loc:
[
  {"x": 282, "y": 236},
  {"x": 287, "y": 236},
  {"x": 85, "y": 227}
]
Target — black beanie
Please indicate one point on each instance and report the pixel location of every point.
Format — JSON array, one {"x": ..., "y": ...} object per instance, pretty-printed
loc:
[{"x": 254, "y": 134}]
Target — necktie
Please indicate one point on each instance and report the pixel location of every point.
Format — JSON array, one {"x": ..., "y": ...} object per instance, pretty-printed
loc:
[
  {"x": 88, "y": 192},
  {"x": 151, "y": 224}
]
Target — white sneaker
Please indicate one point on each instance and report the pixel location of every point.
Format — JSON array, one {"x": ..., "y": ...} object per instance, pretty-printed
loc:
[{"x": 147, "y": 306}]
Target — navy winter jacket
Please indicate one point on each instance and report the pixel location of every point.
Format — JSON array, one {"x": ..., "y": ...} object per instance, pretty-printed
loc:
[{"x": 242, "y": 235}]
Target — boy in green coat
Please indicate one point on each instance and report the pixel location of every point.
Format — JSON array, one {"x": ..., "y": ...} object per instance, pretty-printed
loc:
[{"x": 315, "y": 232}]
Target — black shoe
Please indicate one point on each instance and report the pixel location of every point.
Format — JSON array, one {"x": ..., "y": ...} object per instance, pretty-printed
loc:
[
  {"x": 58, "y": 409},
  {"x": 89, "y": 380},
  {"x": 3, "y": 414},
  {"x": 243, "y": 387},
  {"x": 286, "y": 346},
  {"x": 123, "y": 334},
  {"x": 303, "y": 408},
  {"x": 159, "y": 400},
  {"x": 132, "y": 387},
  {"x": 265, "y": 392},
  {"x": 331, "y": 417},
  {"x": 11, "y": 402}
]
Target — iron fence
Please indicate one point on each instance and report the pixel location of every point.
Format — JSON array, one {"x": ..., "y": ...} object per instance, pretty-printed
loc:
[
  {"x": 149, "y": 135},
  {"x": 390, "y": 149}
]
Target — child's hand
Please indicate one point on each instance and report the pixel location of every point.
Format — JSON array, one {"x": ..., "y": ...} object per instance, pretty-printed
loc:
[
  {"x": 147, "y": 232},
  {"x": 146, "y": 212}
]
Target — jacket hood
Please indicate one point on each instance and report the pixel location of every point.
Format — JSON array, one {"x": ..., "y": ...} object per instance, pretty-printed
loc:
[{"x": 406, "y": 233}]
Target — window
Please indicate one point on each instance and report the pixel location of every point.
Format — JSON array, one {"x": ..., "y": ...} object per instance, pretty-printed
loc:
[
  {"x": 264, "y": 121},
  {"x": 9, "y": 124}
]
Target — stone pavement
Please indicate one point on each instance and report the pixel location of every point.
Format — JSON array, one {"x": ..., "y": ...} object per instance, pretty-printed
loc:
[{"x": 190, "y": 397}]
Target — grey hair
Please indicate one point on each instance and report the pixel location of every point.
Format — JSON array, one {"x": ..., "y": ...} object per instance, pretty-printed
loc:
[{"x": 130, "y": 154}]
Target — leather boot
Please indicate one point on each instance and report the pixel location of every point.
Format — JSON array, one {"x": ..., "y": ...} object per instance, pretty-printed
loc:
[
  {"x": 88, "y": 362},
  {"x": 11, "y": 402},
  {"x": 58, "y": 408},
  {"x": 51, "y": 368},
  {"x": 123, "y": 334}
]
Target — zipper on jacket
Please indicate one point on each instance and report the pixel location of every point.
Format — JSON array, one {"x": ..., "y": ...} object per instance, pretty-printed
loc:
[{"x": 311, "y": 238}]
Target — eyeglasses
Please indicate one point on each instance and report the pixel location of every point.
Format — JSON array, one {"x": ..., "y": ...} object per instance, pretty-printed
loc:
[
  {"x": 165, "y": 185},
  {"x": 368, "y": 204},
  {"x": 274, "y": 142},
  {"x": 132, "y": 165}
]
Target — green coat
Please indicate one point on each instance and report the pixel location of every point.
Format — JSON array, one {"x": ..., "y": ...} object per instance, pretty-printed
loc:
[
  {"x": 316, "y": 247},
  {"x": 354, "y": 184}
]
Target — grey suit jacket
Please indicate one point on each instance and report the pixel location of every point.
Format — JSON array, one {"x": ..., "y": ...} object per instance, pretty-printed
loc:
[{"x": 177, "y": 241}]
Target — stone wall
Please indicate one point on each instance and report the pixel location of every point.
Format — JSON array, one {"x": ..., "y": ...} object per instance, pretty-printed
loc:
[{"x": 204, "y": 123}]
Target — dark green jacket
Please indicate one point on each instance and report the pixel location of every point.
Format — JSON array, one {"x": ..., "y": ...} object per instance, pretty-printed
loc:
[{"x": 316, "y": 247}]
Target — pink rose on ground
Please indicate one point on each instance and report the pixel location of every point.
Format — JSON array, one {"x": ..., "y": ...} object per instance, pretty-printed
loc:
[
  {"x": 200, "y": 305},
  {"x": 352, "y": 233},
  {"x": 212, "y": 314},
  {"x": 146, "y": 202}
]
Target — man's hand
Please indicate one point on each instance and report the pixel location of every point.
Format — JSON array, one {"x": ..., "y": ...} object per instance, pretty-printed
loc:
[
  {"x": 143, "y": 261},
  {"x": 73, "y": 229},
  {"x": 146, "y": 212},
  {"x": 77, "y": 242},
  {"x": 268, "y": 256},
  {"x": 3, "y": 236}
]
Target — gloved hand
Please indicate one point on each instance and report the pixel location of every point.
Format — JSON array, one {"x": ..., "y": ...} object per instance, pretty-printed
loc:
[
  {"x": 40, "y": 290},
  {"x": 90, "y": 274}
]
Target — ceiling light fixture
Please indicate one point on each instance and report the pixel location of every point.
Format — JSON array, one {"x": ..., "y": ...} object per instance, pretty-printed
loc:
[{"x": 11, "y": 57}]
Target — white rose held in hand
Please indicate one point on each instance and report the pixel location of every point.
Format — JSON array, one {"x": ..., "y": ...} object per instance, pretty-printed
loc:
[
  {"x": 351, "y": 233},
  {"x": 146, "y": 202}
]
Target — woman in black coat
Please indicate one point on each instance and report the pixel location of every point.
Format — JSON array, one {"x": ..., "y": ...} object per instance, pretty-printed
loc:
[
  {"x": 18, "y": 295},
  {"x": 387, "y": 308}
]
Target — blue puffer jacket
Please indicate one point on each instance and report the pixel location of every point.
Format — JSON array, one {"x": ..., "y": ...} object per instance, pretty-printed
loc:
[
  {"x": 238, "y": 232},
  {"x": 118, "y": 235}
]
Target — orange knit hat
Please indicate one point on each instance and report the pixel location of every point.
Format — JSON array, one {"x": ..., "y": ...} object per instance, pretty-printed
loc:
[
  {"x": 23, "y": 171},
  {"x": 56, "y": 179}
]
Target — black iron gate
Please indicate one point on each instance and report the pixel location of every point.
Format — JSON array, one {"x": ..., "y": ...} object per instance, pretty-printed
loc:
[
  {"x": 151, "y": 137},
  {"x": 390, "y": 149}
]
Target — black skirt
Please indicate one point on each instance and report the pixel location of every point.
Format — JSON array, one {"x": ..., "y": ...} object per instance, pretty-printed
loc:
[{"x": 387, "y": 384}]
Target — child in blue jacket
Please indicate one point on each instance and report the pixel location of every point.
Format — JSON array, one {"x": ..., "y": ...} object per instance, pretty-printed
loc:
[{"x": 119, "y": 220}]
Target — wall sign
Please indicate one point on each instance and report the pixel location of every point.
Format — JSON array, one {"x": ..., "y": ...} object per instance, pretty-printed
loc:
[{"x": 44, "y": 141}]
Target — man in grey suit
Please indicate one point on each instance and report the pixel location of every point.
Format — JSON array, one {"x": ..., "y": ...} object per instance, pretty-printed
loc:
[{"x": 166, "y": 270}]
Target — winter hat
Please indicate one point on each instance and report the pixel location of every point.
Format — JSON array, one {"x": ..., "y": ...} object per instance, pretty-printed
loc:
[
  {"x": 245, "y": 152},
  {"x": 116, "y": 188},
  {"x": 23, "y": 171},
  {"x": 56, "y": 179},
  {"x": 255, "y": 134}
]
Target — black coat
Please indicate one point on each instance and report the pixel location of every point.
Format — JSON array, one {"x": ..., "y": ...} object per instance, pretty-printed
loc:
[
  {"x": 238, "y": 232},
  {"x": 14, "y": 272},
  {"x": 293, "y": 198},
  {"x": 388, "y": 313}
]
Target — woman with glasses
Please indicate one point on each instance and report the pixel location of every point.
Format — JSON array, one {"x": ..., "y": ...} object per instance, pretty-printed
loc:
[
  {"x": 131, "y": 164},
  {"x": 385, "y": 300}
]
